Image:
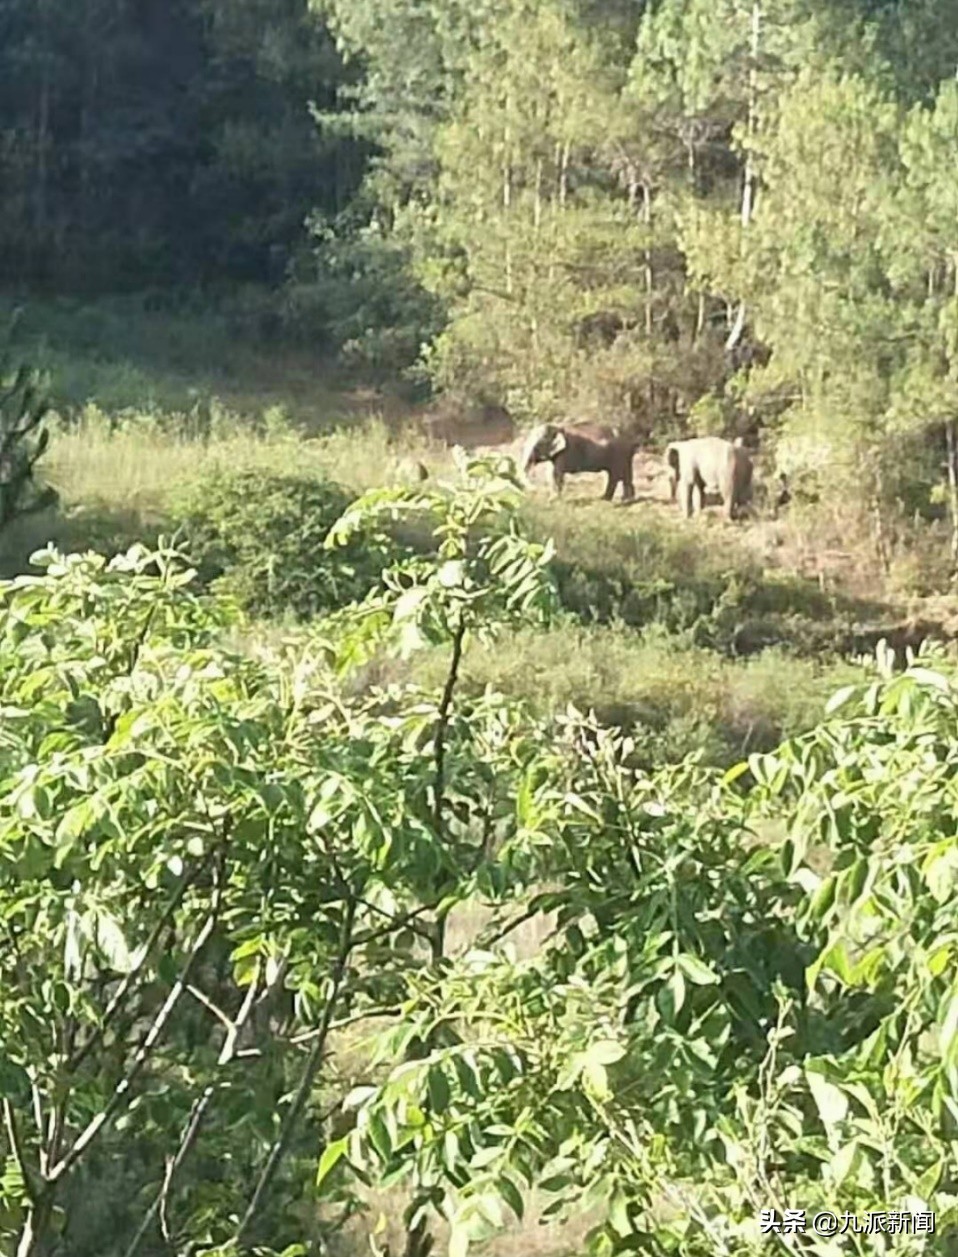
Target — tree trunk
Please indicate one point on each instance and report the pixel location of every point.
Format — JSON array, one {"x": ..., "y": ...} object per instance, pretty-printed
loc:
[
  {"x": 649, "y": 274},
  {"x": 506, "y": 205},
  {"x": 881, "y": 539},
  {"x": 41, "y": 186},
  {"x": 748, "y": 182},
  {"x": 953, "y": 492},
  {"x": 699, "y": 319},
  {"x": 748, "y": 185}
]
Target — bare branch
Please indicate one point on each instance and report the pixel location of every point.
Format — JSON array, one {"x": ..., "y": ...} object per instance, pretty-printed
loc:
[
  {"x": 160, "y": 1205},
  {"x": 365, "y": 1015},
  {"x": 37, "y": 1103},
  {"x": 121, "y": 992},
  {"x": 210, "y": 1006},
  {"x": 96, "y": 1125},
  {"x": 16, "y": 1150},
  {"x": 439, "y": 743},
  {"x": 313, "y": 1062}
]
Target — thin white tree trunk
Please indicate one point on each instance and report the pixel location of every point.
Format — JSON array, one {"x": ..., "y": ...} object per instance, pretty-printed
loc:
[{"x": 748, "y": 182}]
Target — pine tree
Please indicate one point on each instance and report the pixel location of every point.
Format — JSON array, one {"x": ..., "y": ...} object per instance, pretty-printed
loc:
[{"x": 23, "y": 441}]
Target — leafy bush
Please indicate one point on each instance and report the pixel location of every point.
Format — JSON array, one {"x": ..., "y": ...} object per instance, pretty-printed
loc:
[
  {"x": 258, "y": 538},
  {"x": 710, "y": 591},
  {"x": 199, "y": 852},
  {"x": 746, "y": 1000},
  {"x": 23, "y": 441},
  {"x": 748, "y": 1003}
]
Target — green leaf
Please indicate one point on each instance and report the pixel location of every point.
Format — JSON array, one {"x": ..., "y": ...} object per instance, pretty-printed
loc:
[
  {"x": 938, "y": 961},
  {"x": 949, "y": 1026},
  {"x": 511, "y": 1195},
  {"x": 843, "y": 1162},
  {"x": 332, "y": 1155},
  {"x": 356, "y": 1098},
  {"x": 696, "y": 970},
  {"x": 379, "y": 1135},
  {"x": 596, "y": 1080},
  {"x": 927, "y": 1183},
  {"x": 605, "y": 1052},
  {"x": 940, "y": 871},
  {"x": 110, "y": 942},
  {"x": 840, "y": 698},
  {"x": 733, "y": 774},
  {"x": 438, "y": 1086},
  {"x": 831, "y": 1102}
]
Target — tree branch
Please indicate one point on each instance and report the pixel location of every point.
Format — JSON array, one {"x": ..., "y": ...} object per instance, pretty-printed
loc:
[
  {"x": 96, "y": 1125},
  {"x": 195, "y": 1120},
  {"x": 313, "y": 1062},
  {"x": 16, "y": 1150},
  {"x": 113, "y": 1007},
  {"x": 439, "y": 743}
]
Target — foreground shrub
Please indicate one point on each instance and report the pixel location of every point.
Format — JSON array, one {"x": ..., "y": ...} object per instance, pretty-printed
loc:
[
  {"x": 205, "y": 861},
  {"x": 747, "y": 1006},
  {"x": 207, "y": 864},
  {"x": 258, "y": 538}
]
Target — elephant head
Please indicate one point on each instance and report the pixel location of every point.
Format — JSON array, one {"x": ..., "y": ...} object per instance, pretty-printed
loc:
[{"x": 544, "y": 443}]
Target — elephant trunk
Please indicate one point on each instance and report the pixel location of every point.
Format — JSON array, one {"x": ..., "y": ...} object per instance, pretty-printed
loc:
[{"x": 529, "y": 457}]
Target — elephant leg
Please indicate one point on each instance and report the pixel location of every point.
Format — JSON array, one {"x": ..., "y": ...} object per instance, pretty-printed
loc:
[
  {"x": 611, "y": 481},
  {"x": 628, "y": 485},
  {"x": 558, "y": 475},
  {"x": 728, "y": 499},
  {"x": 699, "y": 490},
  {"x": 688, "y": 487}
]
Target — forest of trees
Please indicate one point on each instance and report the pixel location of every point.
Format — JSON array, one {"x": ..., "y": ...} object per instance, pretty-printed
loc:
[
  {"x": 721, "y": 215},
  {"x": 267, "y": 843}
]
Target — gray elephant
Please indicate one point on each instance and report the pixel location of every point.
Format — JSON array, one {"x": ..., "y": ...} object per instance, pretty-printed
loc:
[
  {"x": 583, "y": 448},
  {"x": 710, "y": 464}
]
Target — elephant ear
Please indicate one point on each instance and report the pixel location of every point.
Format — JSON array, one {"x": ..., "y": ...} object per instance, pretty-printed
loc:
[{"x": 559, "y": 442}]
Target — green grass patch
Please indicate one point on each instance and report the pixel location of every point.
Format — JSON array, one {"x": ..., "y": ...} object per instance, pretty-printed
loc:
[{"x": 675, "y": 699}]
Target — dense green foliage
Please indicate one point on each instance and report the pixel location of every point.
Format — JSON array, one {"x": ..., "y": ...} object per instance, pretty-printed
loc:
[
  {"x": 732, "y": 216},
  {"x": 258, "y": 538},
  {"x": 144, "y": 144},
  {"x": 210, "y": 867},
  {"x": 283, "y": 801},
  {"x": 182, "y": 838},
  {"x": 719, "y": 1025},
  {"x": 23, "y": 440},
  {"x": 679, "y": 215}
]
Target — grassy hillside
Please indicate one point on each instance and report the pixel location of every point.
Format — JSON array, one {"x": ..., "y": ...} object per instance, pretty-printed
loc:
[{"x": 699, "y": 635}]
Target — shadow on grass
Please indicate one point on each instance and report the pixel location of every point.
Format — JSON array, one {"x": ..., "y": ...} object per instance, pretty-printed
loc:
[
  {"x": 96, "y": 527},
  {"x": 131, "y": 354},
  {"x": 640, "y": 569}
]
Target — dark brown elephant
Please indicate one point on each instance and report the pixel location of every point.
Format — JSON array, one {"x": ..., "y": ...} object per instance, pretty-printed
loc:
[
  {"x": 583, "y": 448},
  {"x": 710, "y": 464}
]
